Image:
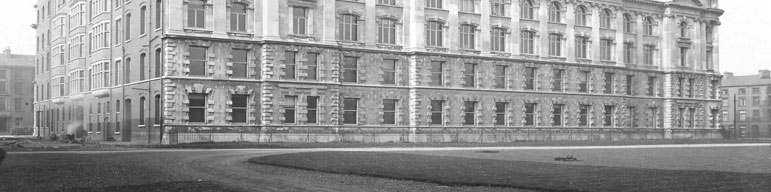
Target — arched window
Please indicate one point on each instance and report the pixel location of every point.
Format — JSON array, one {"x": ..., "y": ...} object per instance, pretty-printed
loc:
[
  {"x": 683, "y": 29},
  {"x": 143, "y": 20},
  {"x": 142, "y": 62},
  {"x": 127, "y": 36},
  {"x": 467, "y": 36},
  {"x": 648, "y": 26},
  {"x": 628, "y": 23},
  {"x": 127, "y": 71},
  {"x": 348, "y": 27},
  {"x": 158, "y": 63},
  {"x": 555, "y": 14},
  {"x": 238, "y": 17},
  {"x": 582, "y": 16},
  {"x": 434, "y": 34},
  {"x": 526, "y": 9},
  {"x": 606, "y": 19},
  {"x": 142, "y": 111},
  {"x": 157, "y": 109}
]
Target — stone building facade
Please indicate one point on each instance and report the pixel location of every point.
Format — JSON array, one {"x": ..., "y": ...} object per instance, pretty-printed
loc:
[
  {"x": 747, "y": 103},
  {"x": 16, "y": 77},
  {"x": 379, "y": 70}
]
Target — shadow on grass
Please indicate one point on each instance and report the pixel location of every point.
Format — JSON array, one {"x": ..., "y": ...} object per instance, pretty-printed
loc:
[
  {"x": 206, "y": 186},
  {"x": 457, "y": 171}
]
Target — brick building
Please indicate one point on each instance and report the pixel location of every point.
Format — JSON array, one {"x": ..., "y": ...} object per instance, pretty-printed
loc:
[
  {"x": 751, "y": 95},
  {"x": 378, "y": 70},
  {"x": 16, "y": 77}
]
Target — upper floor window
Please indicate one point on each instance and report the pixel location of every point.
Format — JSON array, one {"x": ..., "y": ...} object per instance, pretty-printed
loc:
[
  {"x": 197, "y": 61},
  {"x": 606, "y": 19},
  {"x": 434, "y": 4},
  {"x": 555, "y": 12},
  {"x": 555, "y": 44},
  {"x": 386, "y": 2},
  {"x": 629, "y": 24},
  {"x": 498, "y": 39},
  {"x": 127, "y": 29},
  {"x": 348, "y": 27},
  {"x": 710, "y": 33},
  {"x": 238, "y": 17},
  {"x": 100, "y": 75},
  {"x": 629, "y": 53},
  {"x": 582, "y": 16},
  {"x": 158, "y": 13},
  {"x": 386, "y": 29},
  {"x": 606, "y": 49},
  {"x": 683, "y": 56},
  {"x": 648, "y": 26},
  {"x": 498, "y": 8},
  {"x": 526, "y": 9},
  {"x": 299, "y": 20},
  {"x": 434, "y": 33},
  {"x": 683, "y": 29},
  {"x": 467, "y": 36},
  {"x": 100, "y": 36},
  {"x": 582, "y": 47},
  {"x": 527, "y": 42},
  {"x": 143, "y": 20},
  {"x": 196, "y": 14},
  {"x": 468, "y": 6},
  {"x": 350, "y": 70},
  {"x": 648, "y": 54}
]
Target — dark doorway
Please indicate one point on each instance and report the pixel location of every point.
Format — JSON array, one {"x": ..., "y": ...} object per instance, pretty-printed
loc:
[
  {"x": 126, "y": 121},
  {"x": 4, "y": 125},
  {"x": 755, "y": 131}
]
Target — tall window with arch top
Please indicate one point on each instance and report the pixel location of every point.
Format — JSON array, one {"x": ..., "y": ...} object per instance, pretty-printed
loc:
[
  {"x": 629, "y": 23},
  {"x": 582, "y": 16},
  {"x": 648, "y": 26},
  {"x": 555, "y": 12},
  {"x": 606, "y": 19},
  {"x": 683, "y": 29},
  {"x": 526, "y": 9}
]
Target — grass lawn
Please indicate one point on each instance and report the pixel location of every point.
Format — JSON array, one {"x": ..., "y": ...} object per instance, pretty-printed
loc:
[{"x": 455, "y": 170}]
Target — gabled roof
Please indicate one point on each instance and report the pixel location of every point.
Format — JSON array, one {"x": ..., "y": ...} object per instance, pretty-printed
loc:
[{"x": 748, "y": 80}]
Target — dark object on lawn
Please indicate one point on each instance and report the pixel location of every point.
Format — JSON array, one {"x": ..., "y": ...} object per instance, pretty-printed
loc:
[
  {"x": 486, "y": 151},
  {"x": 566, "y": 158},
  {"x": 70, "y": 138},
  {"x": 2, "y": 155}
]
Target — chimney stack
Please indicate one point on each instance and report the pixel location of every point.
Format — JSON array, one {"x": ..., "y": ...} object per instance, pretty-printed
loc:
[
  {"x": 765, "y": 74},
  {"x": 7, "y": 52},
  {"x": 728, "y": 75}
]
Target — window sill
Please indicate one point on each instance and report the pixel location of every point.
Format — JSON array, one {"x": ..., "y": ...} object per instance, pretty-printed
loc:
[
  {"x": 630, "y": 33},
  {"x": 302, "y": 36},
  {"x": 469, "y": 51},
  {"x": 198, "y": 30},
  {"x": 607, "y": 29},
  {"x": 470, "y": 13},
  {"x": 526, "y": 19},
  {"x": 387, "y": 5},
  {"x": 501, "y": 53},
  {"x": 557, "y": 23},
  {"x": 389, "y": 46},
  {"x": 436, "y": 49},
  {"x": 240, "y": 34},
  {"x": 608, "y": 62},
  {"x": 350, "y": 43},
  {"x": 352, "y": 1},
  {"x": 142, "y": 35},
  {"x": 501, "y": 16},
  {"x": 436, "y": 9}
]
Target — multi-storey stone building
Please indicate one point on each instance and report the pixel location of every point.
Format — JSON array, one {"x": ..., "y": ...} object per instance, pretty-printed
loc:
[
  {"x": 747, "y": 103},
  {"x": 378, "y": 70},
  {"x": 16, "y": 77}
]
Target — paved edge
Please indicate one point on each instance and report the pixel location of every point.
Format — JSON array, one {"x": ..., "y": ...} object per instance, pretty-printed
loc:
[{"x": 297, "y": 150}]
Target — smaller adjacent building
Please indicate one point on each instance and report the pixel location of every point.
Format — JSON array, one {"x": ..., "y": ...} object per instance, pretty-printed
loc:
[
  {"x": 17, "y": 73},
  {"x": 747, "y": 104}
]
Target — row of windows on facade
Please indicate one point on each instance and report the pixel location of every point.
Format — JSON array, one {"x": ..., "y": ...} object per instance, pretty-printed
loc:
[
  {"x": 756, "y": 116},
  {"x": 18, "y": 104},
  {"x": 99, "y": 115},
  {"x": 755, "y": 90},
  {"x": 742, "y": 101},
  {"x": 18, "y": 88},
  {"x": 99, "y": 76}
]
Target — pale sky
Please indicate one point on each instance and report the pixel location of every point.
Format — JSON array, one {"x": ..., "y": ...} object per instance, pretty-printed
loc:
[{"x": 745, "y": 46}]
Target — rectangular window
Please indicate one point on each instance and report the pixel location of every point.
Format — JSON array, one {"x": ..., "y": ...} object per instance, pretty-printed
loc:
[
  {"x": 629, "y": 53},
  {"x": 530, "y": 114},
  {"x": 350, "y": 70},
  {"x": 527, "y": 42},
  {"x": 557, "y": 115},
  {"x": 195, "y": 14},
  {"x": 436, "y": 112},
  {"x": 756, "y": 101},
  {"x": 648, "y": 56},
  {"x": 756, "y": 90},
  {"x": 608, "y": 83},
  {"x": 691, "y": 117},
  {"x": 290, "y": 109},
  {"x": 467, "y": 37},
  {"x": 606, "y": 49},
  {"x": 583, "y": 115},
  {"x": 683, "y": 56},
  {"x": 632, "y": 117},
  {"x": 654, "y": 117},
  {"x": 434, "y": 34},
  {"x": 312, "y": 65},
  {"x": 386, "y": 2},
  {"x": 469, "y": 112},
  {"x": 498, "y": 8},
  {"x": 583, "y": 81},
  {"x": 389, "y": 71},
  {"x": 197, "y": 111},
  {"x": 581, "y": 47},
  {"x": 290, "y": 67},
  {"x": 555, "y": 45},
  {"x": 197, "y": 61},
  {"x": 681, "y": 87},
  {"x": 127, "y": 28},
  {"x": 608, "y": 116},
  {"x": 313, "y": 109},
  {"x": 500, "y": 76},
  {"x": 691, "y": 83},
  {"x": 530, "y": 78},
  {"x": 434, "y": 4},
  {"x": 350, "y": 107},
  {"x": 500, "y": 113},
  {"x": 469, "y": 75},
  {"x": 629, "y": 83},
  {"x": 436, "y": 73},
  {"x": 651, "y": 86},
  {"x": 158, "y": 13},
  {"x": 468, "y": 6},
  {"x": 498, "y": 40},
  {"x": 389, "y": 111},
  {"x": 238, "y": 17},
  {"x": 386, "y": 31},
  {"x": 557, "y": 81},
  {"x": 238, "y": 108},
  {"x": 299, "y": 20},
  {"x": 742, "y": 115},
  {"x": 348, "y": 28},
  {"x": 239, "y": 63},
  {"x": 143, "y": 20}
]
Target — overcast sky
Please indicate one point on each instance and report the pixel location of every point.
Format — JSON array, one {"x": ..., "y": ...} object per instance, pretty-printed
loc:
[{"x": 745, "y": 46}]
